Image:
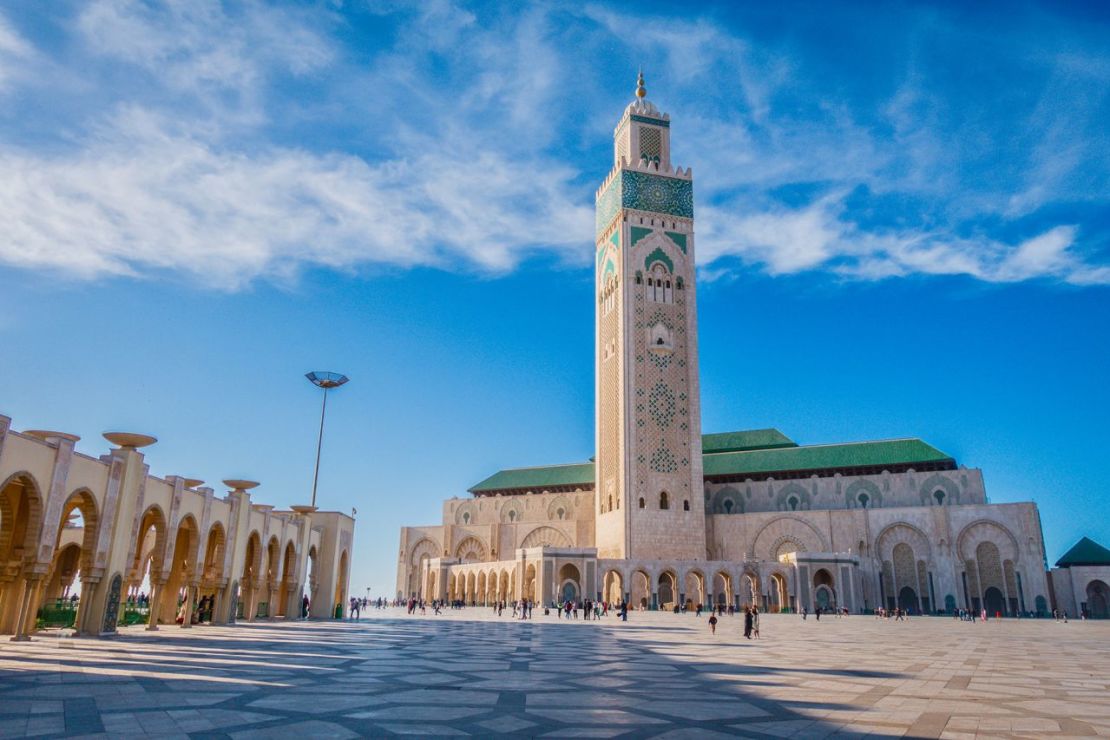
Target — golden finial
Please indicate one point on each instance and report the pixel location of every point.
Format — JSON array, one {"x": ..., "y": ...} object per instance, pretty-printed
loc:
[{"x": 641, "y": 91}]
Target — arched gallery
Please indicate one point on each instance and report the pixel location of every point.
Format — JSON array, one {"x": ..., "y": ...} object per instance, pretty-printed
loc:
[{"x": 100, "y": 541}]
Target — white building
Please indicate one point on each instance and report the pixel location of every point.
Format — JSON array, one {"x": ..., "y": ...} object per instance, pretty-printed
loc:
[{"x": 664, "y": 515}]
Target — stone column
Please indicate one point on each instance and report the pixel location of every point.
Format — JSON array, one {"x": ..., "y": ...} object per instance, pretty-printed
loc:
[
  {"x": 190, "y": 604},
  {"x": 156, "y": 588},
  {"x": 24, "y": 623},
  {"x": 88, "y": 587}
]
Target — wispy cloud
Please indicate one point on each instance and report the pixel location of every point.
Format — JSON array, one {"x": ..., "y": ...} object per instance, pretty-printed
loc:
[
  {"x": 15, "y": 53},
  {"x": 244, "y": 141},
  {"x": 146, "y": 197}
]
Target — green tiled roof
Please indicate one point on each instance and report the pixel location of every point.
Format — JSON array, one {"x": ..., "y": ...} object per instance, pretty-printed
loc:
[
  {"x": 823, "y": 457},
  {"x": 755, "y": 452},
  {"x": 755, "y": 439},
  {"x": 1085, "y": 552},
  {"x": 537, "y": 479}
]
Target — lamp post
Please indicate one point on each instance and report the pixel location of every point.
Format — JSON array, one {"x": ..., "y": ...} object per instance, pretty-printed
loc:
[{"x": 327, "y": 381}]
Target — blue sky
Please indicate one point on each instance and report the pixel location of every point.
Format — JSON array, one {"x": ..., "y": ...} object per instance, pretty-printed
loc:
[{"x": 903, "y": 221}]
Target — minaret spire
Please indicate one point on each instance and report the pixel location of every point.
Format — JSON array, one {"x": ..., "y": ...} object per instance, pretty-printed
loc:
[{"x": 641, "y": 91}]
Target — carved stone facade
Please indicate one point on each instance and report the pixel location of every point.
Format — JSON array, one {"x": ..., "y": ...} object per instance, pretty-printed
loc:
[{"x": 664, "y": 516}]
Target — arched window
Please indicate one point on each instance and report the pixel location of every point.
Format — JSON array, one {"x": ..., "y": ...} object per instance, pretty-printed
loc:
[
  {"x": 560, "y": 512},
  {"x": 512, "y": 516},
  {"x": 664, "y": 503},
  {"x": 863, "y": 500},
  {"x": 641, "y": 502},
  {"x": 939, "y": 496},
  {"x": 728, "y": 506},
  {"x": 686, "y": 505},
  {"x": 610, "y": 502},
  {"x": 466, "y": 517},
  {"x": 659, "y": 285},
  {"x": 793, "y": 502}
]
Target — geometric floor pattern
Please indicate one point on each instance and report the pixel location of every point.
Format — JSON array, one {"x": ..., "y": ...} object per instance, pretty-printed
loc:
[{"x": 658, "y": 675}]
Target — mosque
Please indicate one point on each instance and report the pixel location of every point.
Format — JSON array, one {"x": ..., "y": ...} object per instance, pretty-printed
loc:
[{"x": 664, "y": 515}]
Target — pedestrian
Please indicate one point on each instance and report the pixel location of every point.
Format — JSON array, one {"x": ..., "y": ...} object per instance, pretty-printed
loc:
[
  {"x": 755, "y": 622},
  {"x": 748, "y": 622},
  {"x": 712, "y": 623},
  {"x": 805, "y": 612}
]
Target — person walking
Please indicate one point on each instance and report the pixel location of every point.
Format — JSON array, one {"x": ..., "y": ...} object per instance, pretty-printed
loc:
[
  {"x": 712, "y": 623},
  {"x": 748, "y": 622},
  {"x": 755, "y": 622}
]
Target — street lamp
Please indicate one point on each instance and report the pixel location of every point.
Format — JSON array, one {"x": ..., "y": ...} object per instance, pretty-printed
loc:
[{"x": 327, "y": 381}]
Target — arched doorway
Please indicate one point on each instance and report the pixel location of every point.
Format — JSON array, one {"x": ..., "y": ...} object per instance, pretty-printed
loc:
[
  {"x": 20, "y": 521},
  {"x": 613, "y": 587},
  {"x": 252, "y": 578},
  {"x": 570, "y": 583},
  {"x": 213, "y": 580},
  {"x": 749, "y": 589},
  {"x": 695, "y": 589},
  {"x": 722, "y": 588},
  {"x": 528, "y": 586},
  {"x": 77, "y": 528},
  {"x": 177, "y": 598},
  {"x": 1042, "y": 606},
  {"x": 993, "y": 602},
  {"x": 641, "y": 589},
  {"x": 1098, "y": 600},
  {"x": 144, "y": 587},
  {"x": 668, "y": 587},
  {"x": 268, "y": 608},
  {"x": 340, "y": 596},
  {"x": 288, "y": 574},
  {"x": 312, "y": 577},
  {"x": 824, "y": 593},
  {"x": 907, "y": 599},
  {"x": 780, "y": 599}
]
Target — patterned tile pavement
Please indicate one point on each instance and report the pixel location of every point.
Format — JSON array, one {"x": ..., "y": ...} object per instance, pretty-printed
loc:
[{"x": 659, "y": 675}]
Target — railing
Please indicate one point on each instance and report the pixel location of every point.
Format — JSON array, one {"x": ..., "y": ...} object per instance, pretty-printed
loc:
[
  {"x": 134, "y": 614},
  {"x": 61, "y": 613}
]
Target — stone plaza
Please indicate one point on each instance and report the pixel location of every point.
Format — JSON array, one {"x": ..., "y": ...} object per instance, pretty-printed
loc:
[{"x": 468, "y": 672}]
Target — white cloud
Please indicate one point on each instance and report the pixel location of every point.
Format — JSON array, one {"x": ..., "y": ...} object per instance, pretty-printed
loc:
[
  {"x": 203, "y": 49},
  {"x": 15, "y": 53},
  {"x": 817, "y": 236},
  {"x": 143, "y": 197},
  {"x": 467, "y": 126}
]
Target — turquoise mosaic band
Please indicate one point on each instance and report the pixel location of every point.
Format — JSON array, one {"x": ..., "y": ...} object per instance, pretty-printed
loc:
[
  {"x": 644, "y": 191},
  {"x": 652, "y": 121}
]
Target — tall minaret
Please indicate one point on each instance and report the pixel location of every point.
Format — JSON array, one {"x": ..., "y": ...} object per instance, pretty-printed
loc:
[{"x": 649, "y": 470}]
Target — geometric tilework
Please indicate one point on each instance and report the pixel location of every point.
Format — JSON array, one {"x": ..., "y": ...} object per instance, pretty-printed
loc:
[
  {"x": 661, "y": 405},
  {"x": 663, "y": 461},
  {"x": 467, "y": 672},
  {"x": 658, "y": 255},
  {"x": 656, "y": 193},
  {"x": 678, "y": 239}
]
